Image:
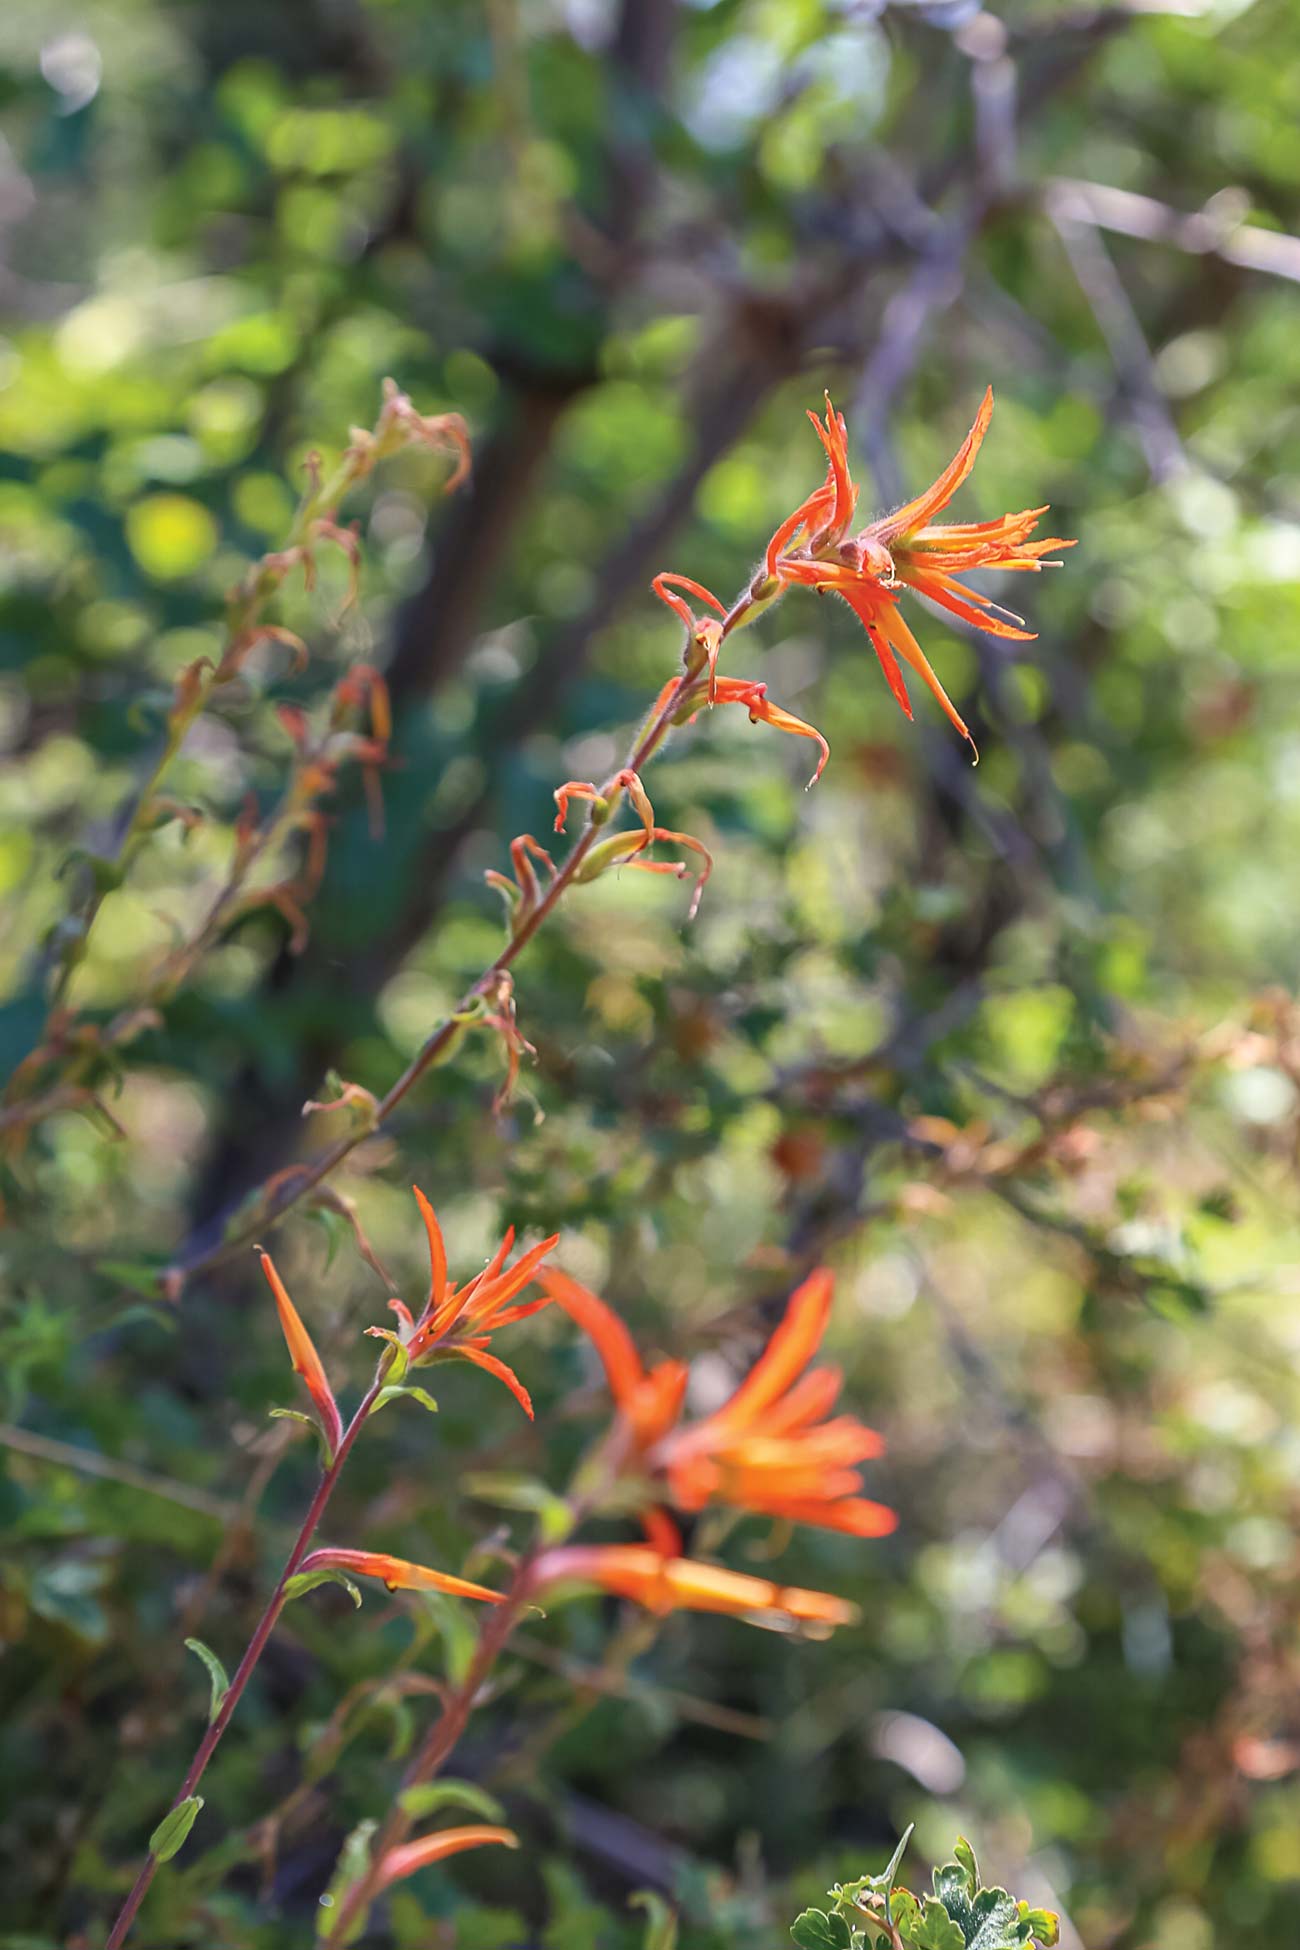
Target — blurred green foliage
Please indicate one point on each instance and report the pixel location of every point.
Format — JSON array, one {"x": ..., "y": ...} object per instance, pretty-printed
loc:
[{"x": 1011, "y": 1046}]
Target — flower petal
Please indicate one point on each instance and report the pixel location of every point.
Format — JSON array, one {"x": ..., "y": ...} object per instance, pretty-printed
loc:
[
  {"x": 915, "y": 514},
  {"x": 788, "y": 1352},
  {"x": 867, "y": 610},
  {"x": 490, "y": 1365},
  {"x": 615, "y": 1346},
  {"x": 437, "y": 1251},
  {"x": 902, "y": 640},
  {"x": 857, "y": 1515}
]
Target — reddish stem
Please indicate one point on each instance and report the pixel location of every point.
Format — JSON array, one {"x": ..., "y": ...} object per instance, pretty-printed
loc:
[
  {"x": 253, "y": 1652},
  {"x": 436, "y": 1747}
]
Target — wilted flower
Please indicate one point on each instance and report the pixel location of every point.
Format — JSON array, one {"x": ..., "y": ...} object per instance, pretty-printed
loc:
[{"x": 458, "y": 1322}]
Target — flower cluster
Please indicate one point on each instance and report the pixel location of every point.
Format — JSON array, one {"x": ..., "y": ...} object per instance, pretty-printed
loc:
[
  {"x": 775, "y": 1448},
  {"x": 814, "y": 547},
  {"x": 768, "y": 1450}
]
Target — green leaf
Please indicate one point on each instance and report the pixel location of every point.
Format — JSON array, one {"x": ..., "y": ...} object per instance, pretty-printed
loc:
[
  {"x": 815, "y": 1930},
  {"x": 297, "y": 1415},
  {"x": 334, "y": 1226},
  {"x": 394, "y": 1391},
  {"x": 457, "y": 1630},
  {"x": 168, "y": 1837},
  {"x": 399, "y": 1362},
  {"x": 1040, "y": 1925},
  {"x": 987, "y": 1921},
  {"x": 216, "y": 1673},
  {"x": 353, "y": 1861},
  {"x": 555, "y": 1518},
  {"x": 661, "y": 1919},
  {"x": 306, "y": 1581},
  {"x": 936, "y": 1930},
  {"x": 430, "y": 1797},
  {"x": 851, "y": 1898},
  {"x": 965, "y": 1855}
]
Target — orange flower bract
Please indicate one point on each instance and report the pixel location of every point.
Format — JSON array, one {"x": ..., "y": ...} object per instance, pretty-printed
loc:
[{"x": 307, "y": 1363}]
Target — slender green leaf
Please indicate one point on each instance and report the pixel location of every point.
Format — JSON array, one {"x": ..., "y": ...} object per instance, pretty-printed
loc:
[
  {"x": 216, "y": 1673},
  {"x": 352, "y": 1863},
  {"x": 306, "y": 1581},
  {"x": 555, "y": 1518},
  {"x": 431, "y": 1797}
]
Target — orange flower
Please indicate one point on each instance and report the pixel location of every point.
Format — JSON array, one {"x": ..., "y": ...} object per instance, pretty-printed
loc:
[
  {"x": 458, "y": 1322},
  {"x": 306, "y": 1362},
  {"x": 661, "y": 1584},
  {"x": 767, "y": 1450},
  {"x": 396, "y": 1573},
  {"x": 404, "y": 1861},
  {"x": 906, "y": 547}
]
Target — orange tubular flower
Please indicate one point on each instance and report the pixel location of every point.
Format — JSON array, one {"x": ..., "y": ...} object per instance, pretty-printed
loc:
[
  {"x": 767, "y": 1450},
  {"x": 662, "y": 1584},
  {"x": 397, "y": 1574},
  {"x": 458, "y": 1322},
  {"x": 906, "y": 547},
  {"x": 404, "y": 1861},
  {"x": 306, "y": 1362}
]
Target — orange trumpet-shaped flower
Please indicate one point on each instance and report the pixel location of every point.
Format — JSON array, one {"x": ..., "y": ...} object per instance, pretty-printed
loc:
[
  {"x": 813, "y": 546},
  {"x": 662, "y": 1584},
  {"x": 768, "y": 1449},
  {"x": 410, "y": 1856},
  {"x": 459, "y": 1322},
  {"x": 397, "y": 1574},
  {"x": 306, "y": 1361}
]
